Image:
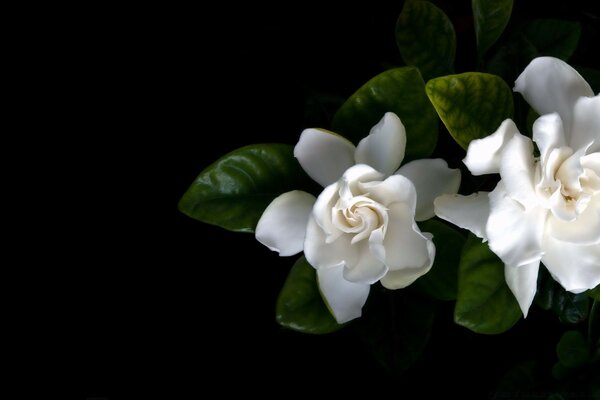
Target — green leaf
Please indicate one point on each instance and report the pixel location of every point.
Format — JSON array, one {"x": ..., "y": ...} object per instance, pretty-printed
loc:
[
  {"x": 570, "y": 308},
  {"x": 552, "y": 37},
  {"x": 471, "y": 105},
  {"x": 426, "y": 38},
  {"x": 484, "y": 304},
  {"x": 396, "y": 326},
  {"x": 594, "y": 293},
  {"x": 442, "y": 280},
  {"x": 560, "y": 371},
  {"x": 572, "y": 349},
  {"x": 300, "y": 306},
  {"x": 234, "y": 191},
  {"x": 490, "y": 18},
  {"x": 510, "y": 59},
  {"x": 399, "y": 90}
]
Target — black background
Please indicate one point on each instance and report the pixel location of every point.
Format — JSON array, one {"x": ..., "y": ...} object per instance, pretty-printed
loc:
[{"x": 139, "y": 301}]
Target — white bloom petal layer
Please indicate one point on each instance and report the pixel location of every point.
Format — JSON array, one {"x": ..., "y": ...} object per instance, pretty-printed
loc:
[
  {"x": 483, "y": 155},
  {"x": 345, "y": 299},
  {"x": 514, "y": 234},
  {"x": 367, "y": 269},
  {"x": 403, "y": 246},
  {"x": 585, "y": 230},
  {"x": 431, "y": 178},
  {"x": 576, "y": 267},
  {"x": 517, "y": 170},
  {"x": 383, "y": 149},
  {"x": 586, "y": 124},
  {"x": 522, "y": 282},
  {"x": 282, "y": 226},
  {"x": 548, "y": 134},
  {"x": 468, "y": 212},
  {"x": 551, "y": 85},
  {"x": 323, "y": 254},
  {"x": 324, "y": 155}
]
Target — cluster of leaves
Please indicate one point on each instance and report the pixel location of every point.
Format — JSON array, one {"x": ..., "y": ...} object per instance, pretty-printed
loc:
[{"x": 234, "y": 191}]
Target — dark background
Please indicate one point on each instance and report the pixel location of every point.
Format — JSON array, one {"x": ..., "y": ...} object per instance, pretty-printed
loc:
[{"x": 139, "y": 301}]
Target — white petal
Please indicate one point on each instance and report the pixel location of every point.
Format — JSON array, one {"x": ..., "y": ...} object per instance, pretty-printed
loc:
[
  {"x": 592, "y": 162},
  {"x": 282, "y": 226},
  {"x": 431, "y": 178},
  {"x": 323, "y": 206},
  {"x": 548, "y": 134},
  {"x": 468, "y": 212},
  {"x": 586, "y": 124},
  {"x": 517, "y": 170},
  {"x": 321, "y": 254},
  {"x": 483, "y": 155},
  {"x": 575, "y": 267},
  {"x": 324, "y": 155},
  {"x": 384, "y": 148},
  {"x": 395, "y": 188},
  {"x": 514, "y": 234},
  {"x": 367, "y": 269},
  {"x": 355, "y": 176},
  {"x": 403, "y": 246},
  {"x": 522, "y": 282},
  {"x": 551, "y": 85},
  {"x": 403, "y": 277},
  {"x": 585, "y": 230},
  {"x": 345, "y": 299}
]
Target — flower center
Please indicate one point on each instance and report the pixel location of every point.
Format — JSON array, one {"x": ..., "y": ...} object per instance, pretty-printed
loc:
[{"x": 361, "y": 215}]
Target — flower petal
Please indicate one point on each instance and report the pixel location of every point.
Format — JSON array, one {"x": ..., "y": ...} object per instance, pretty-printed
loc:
[
  {"x": 517, "y": 169},
  {"x": 522, "y": 282},
  {"x": 324, "y": 155},
  {"x": 586, "y": 124},
  {"x": 548, "y": 134},
  {"x": 469, "y": 212},
  {"x": 395, "y": 188},
  {"x": 402, "y": 278},
  {"x": 383, "y": 149},
  {"x": 323, "y": 206},
  {"x": 483, "y": 155},
  {"x": 431, "y": 178},
  {"x": 403, "y": 246},
  {"x": 282, "y": 226},
  {"x": 514, "y": 233},
  {"x": 367, "y": 269},
  {"x": 551, "y": 85},
  {"x": 345, "y": 299},
  {"x": 576, "y": 267},
  {"x": 585, "y": 230},
  {"x": 323, "y": 254}
]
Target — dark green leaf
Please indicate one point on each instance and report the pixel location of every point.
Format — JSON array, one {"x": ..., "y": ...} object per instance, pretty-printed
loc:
[
  {"x": 560, "y": 371},
  {"x": 484, "y": 304},
  {"x": 442, "y": 280},
  {"x": 396, "y": 326},
  {"x": 426, "y": 38},
  {"x": 572, "y": 349},
  {"x": 509, "y": 60},
  {"x": 234, "y": 191},
  {"x": 399, "y": 90},
  {"x": 594, "y": 293},
  {"x": 490, "y": 18},
  {"x": 471, "y": 105},
  {"x": 300, "y": 306},
  {"x": 569, "y": 307},
  {"x": 553, "y": 37}
]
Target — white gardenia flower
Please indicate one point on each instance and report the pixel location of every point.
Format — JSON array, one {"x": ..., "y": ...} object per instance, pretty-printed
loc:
[
  {"x": 362, "y": 228},
  {"x": 544, "y": 208}
]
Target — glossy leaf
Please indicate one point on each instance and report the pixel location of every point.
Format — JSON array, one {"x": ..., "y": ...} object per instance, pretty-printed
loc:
[
  {"x": 234, "y": 191},
  {"x": 442, "y": 280},
  {"x": 396, "y": 326},
  {"x": 552, "y": 37},
  {"x": 484, "y": 303},
  {"x": 300, "y": 306},
  {"x": 426, "y": 38},
  {"x": 572, "y": 349},
  {"x": 399, "y": 90},
  {"x": 509, "y": 60},
  {"x": 594, "y": 293},
  {"x": 570, "y": 308},
  {"x": 471, "y": 105},
  {"x": 490, "y": 18}
]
